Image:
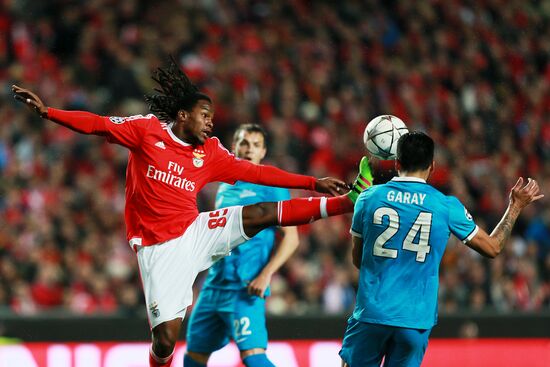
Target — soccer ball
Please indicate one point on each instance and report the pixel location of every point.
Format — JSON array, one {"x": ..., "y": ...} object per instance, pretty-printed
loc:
[{"x": 381, "y": 136}]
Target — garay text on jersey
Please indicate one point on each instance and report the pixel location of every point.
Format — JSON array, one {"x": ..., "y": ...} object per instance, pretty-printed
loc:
[{"x": 406, "y": 197}]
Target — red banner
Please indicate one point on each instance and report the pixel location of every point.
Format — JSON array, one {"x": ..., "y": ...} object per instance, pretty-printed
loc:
[{"x": 441, "y": 352}]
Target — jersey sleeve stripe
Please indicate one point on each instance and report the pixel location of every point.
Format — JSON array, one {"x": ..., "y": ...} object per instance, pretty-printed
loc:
[
  {"x": 355, "y": 234},
  {"x": 471, "y": 235},
  {"x": 323, "y": 207}
]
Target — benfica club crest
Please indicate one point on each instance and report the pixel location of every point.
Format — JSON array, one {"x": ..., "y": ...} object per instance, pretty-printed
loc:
[
  {"x": 155, "y": 309},
  {"x": 198, "y": 155}
]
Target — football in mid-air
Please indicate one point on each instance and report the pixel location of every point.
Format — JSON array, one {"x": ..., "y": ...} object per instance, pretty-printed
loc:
[{"x": 381, "y": 136}]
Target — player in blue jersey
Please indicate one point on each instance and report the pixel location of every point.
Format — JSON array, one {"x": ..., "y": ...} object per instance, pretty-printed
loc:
[
  {"x": 231, "y": 304},
  {"x": 400, "y": 230}
]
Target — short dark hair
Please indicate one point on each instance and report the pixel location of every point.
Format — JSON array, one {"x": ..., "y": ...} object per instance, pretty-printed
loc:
[
  {"x": 415, "y": 151},
  {"x": 176, "y": 92},
  {"x": 250, "y": 128}
]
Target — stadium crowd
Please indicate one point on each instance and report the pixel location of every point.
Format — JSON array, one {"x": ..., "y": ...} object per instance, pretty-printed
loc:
[{"x": 474, "y": 74}]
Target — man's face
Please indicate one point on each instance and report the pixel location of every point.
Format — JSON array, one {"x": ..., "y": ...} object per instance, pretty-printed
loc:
[
  {"x": 198, "y": 124},
  {"x": 250, "y": 146}
]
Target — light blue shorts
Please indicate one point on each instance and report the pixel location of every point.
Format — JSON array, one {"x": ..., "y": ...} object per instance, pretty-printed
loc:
[
  {"x": 365, "y": 345},
  {"x": 222, "y": 315}
]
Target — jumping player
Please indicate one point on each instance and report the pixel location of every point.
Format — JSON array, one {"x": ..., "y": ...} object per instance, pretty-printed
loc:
[
  {"x": 171, "y": 158},
  {"x": 400, "y": 230},
  {"x": 231, "y": 303}
]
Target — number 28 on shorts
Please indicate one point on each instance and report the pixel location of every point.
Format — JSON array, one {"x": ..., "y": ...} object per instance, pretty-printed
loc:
[{"x": 217, "y": 219}]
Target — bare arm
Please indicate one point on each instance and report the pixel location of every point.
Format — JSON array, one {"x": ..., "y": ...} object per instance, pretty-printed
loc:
[
  {"x": 491, "y": 245},
  {"x": 357, "y": 251},
  {"x": 286, "y": 248}
]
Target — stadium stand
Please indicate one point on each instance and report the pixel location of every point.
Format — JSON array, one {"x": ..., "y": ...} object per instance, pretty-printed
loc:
[{"x": 474, "y": 74}]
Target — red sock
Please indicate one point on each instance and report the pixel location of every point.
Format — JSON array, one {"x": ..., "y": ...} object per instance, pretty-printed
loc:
[
  {"x": 155, "y": 361},
  {"x": 305, "y": 210}
]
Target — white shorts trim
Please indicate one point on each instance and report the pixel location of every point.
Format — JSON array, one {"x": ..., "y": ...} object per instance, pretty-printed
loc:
[{"x": 168, "y": 270}]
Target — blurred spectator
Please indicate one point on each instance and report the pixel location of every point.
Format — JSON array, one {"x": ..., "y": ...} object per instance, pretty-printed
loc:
[{"x": 475, "y": 75}]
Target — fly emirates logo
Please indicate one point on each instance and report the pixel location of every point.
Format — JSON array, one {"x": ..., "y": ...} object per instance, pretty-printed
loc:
[{"x": 171, "y": 177}]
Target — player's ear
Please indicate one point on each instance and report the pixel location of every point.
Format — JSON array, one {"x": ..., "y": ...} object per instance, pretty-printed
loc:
[
  {"x": 183, "y": 115},
  {"x": 431, "y": 168}
]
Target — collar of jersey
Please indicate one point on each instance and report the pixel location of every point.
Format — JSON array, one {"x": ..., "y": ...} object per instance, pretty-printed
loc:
[
  {"x": 407, "y": 178},
  {"x": 175, "y": 138}
]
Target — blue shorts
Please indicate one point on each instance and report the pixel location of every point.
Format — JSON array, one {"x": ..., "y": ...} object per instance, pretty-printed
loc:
[
  {"x": 222, "y": 315},
  {"x": 365, "y": 345}
]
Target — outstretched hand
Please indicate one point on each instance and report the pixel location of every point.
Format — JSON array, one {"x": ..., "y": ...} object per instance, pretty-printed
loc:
[
  {"x": 30, "y": 99},
  {"x": 521, "y": 196},
  {"x": 330, "y": 185}
]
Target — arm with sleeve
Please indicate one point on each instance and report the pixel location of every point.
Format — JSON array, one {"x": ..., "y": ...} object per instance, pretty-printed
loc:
[
  {"x": 126, "y": 131},
  {"x": 461, "y": 222},
  {"x": 230, "y": 169}
]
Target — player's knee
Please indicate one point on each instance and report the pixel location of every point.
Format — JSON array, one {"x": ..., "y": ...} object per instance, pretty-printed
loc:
[
  {"x": 258, "y": 217},
  {"x": 164, "y": 341},
  {"x": 193, "y": 359},
  {"x": 257, "y": 360},
  {"x": 260, "y": 212}
]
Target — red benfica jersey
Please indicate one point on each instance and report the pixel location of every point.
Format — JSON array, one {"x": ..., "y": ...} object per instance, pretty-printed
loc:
[{"x": 164, "y": 174}]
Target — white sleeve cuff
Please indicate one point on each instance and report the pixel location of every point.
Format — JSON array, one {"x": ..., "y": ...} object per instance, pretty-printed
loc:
[{"x": 471, "y": 235}]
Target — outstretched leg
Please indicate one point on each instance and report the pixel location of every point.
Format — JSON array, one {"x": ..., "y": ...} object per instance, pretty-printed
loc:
[{"x": 304, "y": 210}]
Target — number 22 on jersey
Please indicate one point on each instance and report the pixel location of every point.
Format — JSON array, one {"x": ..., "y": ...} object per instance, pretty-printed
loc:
[{"x": 422, "y": 224}]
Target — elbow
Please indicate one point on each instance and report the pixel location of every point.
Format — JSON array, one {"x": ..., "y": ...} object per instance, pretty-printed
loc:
[{"x": 493, "y": 251}]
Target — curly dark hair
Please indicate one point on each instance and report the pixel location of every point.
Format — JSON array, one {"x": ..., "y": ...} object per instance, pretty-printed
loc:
[{"x": 176, "y": 92}]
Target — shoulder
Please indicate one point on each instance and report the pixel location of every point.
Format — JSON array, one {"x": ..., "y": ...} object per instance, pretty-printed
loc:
[
  {"x": 373, "y": 190},
  {"x": 214, "y": 145},
  {"x": 278, "y": 190},
  {"x": 214, "y": 142},
  {"x": 225, "y": 186},
  {"x": 271, "y": 193},
  {"x": 439, "y": 198},
  {"x": 452, "y": 201}
]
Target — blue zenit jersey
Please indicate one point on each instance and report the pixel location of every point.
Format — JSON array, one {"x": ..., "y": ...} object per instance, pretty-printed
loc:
[
  {"x": 404, "y": 225},
  {"x": 248, "y": 259}
]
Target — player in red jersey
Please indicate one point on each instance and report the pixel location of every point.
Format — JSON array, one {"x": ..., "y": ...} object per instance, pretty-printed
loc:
[{"x": 171, "y": 158}]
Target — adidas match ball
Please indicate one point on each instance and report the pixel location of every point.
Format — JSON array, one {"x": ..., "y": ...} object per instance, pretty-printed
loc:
[{"x": 381, "y": 136}]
